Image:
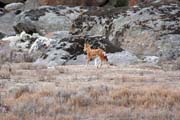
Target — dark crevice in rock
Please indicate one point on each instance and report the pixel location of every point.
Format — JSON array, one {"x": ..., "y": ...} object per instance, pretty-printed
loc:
[
  {"x": 108, "y": 12},
  {"x": 105, "y": 3},
  {"x": 35, "y": 14},
  {"x": 2, "y": 35},
  {"x": 2, "y": 4},
  {"x": 20, "y": 27}
]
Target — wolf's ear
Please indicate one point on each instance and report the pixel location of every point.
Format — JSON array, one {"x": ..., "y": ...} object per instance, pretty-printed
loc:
[
  {"x": 86, "y": 45},
  {"x": 90, "y": 45}
]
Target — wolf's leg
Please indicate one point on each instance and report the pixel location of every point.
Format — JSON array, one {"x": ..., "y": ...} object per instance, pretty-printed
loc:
[
  {"x": 107, "y": 63},
  {"x": 100, "y": 63},
  {"x": 87, "y": 63},
  {"x": 96, "y": 63}
]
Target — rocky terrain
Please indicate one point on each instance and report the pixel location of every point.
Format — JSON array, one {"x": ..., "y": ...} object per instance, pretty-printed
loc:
[
  {"x": 42, "y": 63},
  {"x": 59, "y": 33}
]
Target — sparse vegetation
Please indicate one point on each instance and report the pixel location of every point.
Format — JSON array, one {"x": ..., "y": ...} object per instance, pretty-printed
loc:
[
  {"x": 12, "y": 55},
  {"x": 127, "y": 93},
  {"x": 4, "y": 74}
]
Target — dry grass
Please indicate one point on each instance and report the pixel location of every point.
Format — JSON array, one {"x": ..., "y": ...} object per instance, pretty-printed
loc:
[
  {"x": 146, "y": 97},
  {"x": 4, "y": 74},
  {"x": 5, "y": 71},
  {"x": 80, "y": 93},
  {"x": 12, "y": 55}
]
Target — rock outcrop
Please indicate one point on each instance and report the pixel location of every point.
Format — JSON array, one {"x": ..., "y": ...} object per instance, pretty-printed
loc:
[
  {"x": 61, "y": 51},
  {"x": 142, "y": 31},
  {"x": 7, "y": 21},
  {"x": 14, "y": 6},
  {"x": 150, "y": 33},
  {"x": 47, "y": 19},
  {"x": 59, "y": 48}
]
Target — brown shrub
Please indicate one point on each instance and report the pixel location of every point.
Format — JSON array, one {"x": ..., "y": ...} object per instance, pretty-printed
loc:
[
  {"x": 9, "y": 116},
  {"x": 4, "y": 74},
  {"x": 146, "y": 97}
]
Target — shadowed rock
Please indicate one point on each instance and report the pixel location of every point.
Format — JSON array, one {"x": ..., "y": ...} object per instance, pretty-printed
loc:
[
  {"x": 73, "y": 2},
  {"x": 11, "y": 1}
]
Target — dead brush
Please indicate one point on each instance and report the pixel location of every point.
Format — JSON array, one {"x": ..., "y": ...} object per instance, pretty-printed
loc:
[
  {"x": 46, "y": 75},
  {"x": 96, "y": 92},
  {"x": 9, "y": 116},
  {"x": 61, "y": 70},
  {"x": 26, "y": 95},
  {"x": 136, "y": 78},
  {"x": 5, "y": 71},
  {"x": 27, "y": 66},
  {"x": 4, "y": 74},
  {"x": 80, "y": 100},
  {"x": 63, "y": 117},
  {"x": 146, "y": 97},
  {"x": 21, "y": 91},
  {"x": 30, "y": 66}
]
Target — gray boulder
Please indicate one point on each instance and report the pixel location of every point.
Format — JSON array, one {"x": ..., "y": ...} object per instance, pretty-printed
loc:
[
  {"x": 14, "y": 6},
  {"x": 31, "y": 4},
  {"x": 6, "y": 25},
  {"x": 47, "y": 19},
  {"x": 149, "y": 31},
  {"x": 123, "y": 57},
  {"x": 151, "y": 59},
  {"x": 169, "y": 47},
  {"x": 140, "y": 32},
  {"x": 21, "y": 41}
]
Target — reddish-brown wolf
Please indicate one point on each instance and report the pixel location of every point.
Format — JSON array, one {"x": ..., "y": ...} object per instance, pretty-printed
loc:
[{"x": 94, "y": 53}]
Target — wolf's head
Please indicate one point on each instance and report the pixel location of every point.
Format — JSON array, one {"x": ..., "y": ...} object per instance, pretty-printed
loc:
[{"x": 86, "y": 47}]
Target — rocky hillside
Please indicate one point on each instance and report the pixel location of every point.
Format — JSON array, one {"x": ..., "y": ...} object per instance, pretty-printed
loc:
[{"x": 57, "y": 33}]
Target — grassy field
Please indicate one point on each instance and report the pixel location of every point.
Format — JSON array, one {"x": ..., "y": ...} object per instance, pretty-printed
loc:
[{"x": 77, "y": 92}]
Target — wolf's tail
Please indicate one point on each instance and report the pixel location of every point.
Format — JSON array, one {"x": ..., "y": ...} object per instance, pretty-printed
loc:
[{"x": 105, "y": 56}]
